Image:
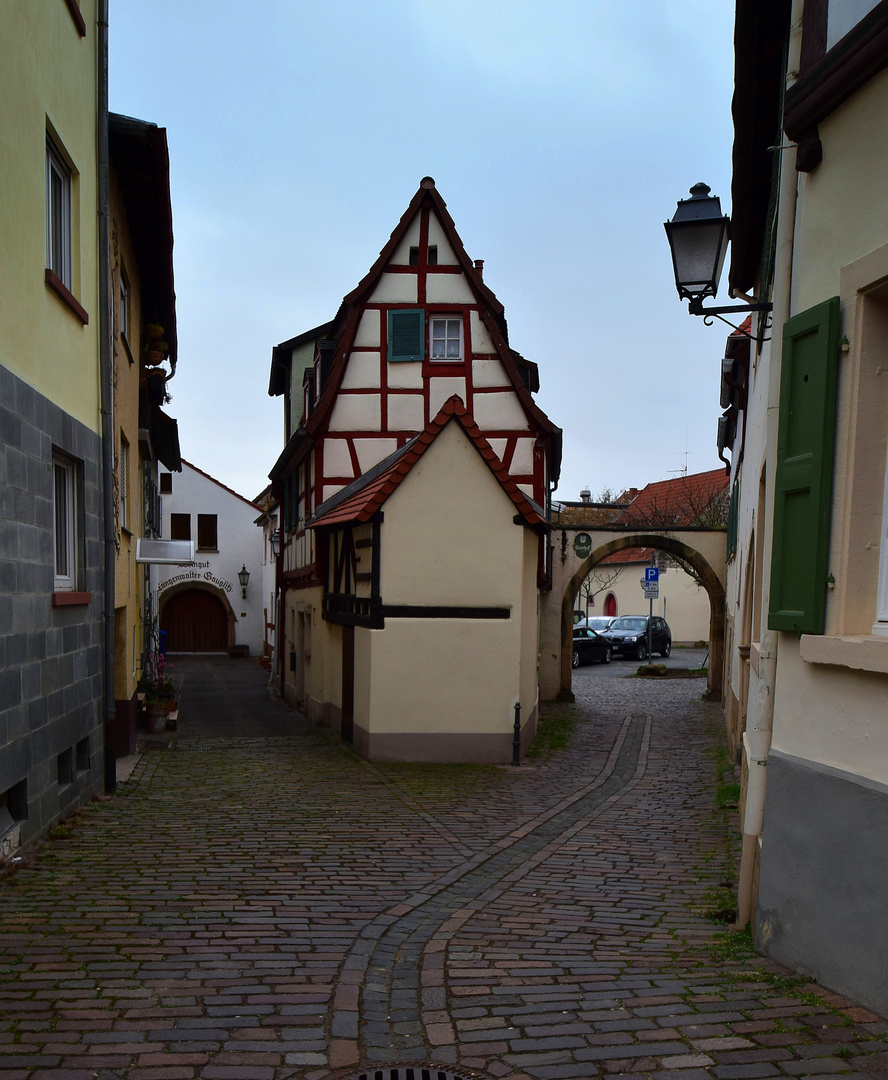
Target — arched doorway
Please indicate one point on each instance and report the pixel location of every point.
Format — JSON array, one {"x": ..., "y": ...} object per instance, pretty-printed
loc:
[
  {"x": 195, "y": 620},
  {"x": 610, "y": 605},
  {"x": 708, "y": 579}
]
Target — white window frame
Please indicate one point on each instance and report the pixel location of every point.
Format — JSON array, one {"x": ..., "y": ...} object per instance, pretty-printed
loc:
[
  {"x": 436, "y": 320},
  {"x": 64, "y": 524},
  {"x": 59, "y": 216}
]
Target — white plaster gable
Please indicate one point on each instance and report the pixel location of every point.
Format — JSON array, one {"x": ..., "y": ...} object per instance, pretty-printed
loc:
[
  {"x": 329, "y": 490},
  {"x": 371, "y": 451},
  {"x": 406, "y": 412},
  {"x": 448, "y": 289},
  {"x": 356, "y": 412},
  {"x": 401, "y": 254},
  {"x": 405, "y": 376},
  {"x": 446, "y": 254},
  {"x": 481, "y": 340},
  {"x": 440, "y": 389},
  {"x": 499, "y": 412},
  {"x": 522, "y": 459},
  {"x": 368, "y": 332},
  {"x": 527, "y": 489},
  {"x": 489, "y": 373},
  {"x": 395, "y": 289},
  {"x": 337, "y": 459},
  {"x": 361, "y": 372},
  {"x": 498, "y": 446}
]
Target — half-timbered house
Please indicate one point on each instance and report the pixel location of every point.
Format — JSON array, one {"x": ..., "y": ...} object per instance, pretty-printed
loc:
[{"x": 414, "y": 488}]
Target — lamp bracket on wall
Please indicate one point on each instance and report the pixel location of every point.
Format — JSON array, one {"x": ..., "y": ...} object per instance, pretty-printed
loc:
[{"x": 695, "y": 307}]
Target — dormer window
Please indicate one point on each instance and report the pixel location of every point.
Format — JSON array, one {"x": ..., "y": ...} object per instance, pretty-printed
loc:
[
  {"x": 431, "y": 255},
  {"x": 446, "y": 339}
]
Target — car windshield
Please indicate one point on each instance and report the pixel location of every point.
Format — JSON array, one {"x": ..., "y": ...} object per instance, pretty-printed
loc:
[{"x": 629, "y": 623}]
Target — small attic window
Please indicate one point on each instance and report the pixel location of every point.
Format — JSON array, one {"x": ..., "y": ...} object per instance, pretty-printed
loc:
[{"x": 431, "y": 260}]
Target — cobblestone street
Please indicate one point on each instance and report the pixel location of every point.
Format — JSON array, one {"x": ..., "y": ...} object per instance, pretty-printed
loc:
[{"x": 266, "y": 905}]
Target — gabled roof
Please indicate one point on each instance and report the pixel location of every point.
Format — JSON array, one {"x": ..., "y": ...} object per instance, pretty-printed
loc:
[
  {"x": 360, "y": 500},
  {"x": 677, "y": 503},
  {"x": 281, "y": 358},
  {"x": 343, "y": 327},
  {"x": 219, "y": 483}
]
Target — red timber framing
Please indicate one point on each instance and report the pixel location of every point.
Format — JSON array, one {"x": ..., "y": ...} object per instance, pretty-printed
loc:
[{"x": 330, "y": 457}]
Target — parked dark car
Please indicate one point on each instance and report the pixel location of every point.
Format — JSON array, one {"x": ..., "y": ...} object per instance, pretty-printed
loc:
[
  {"x": 590, "y": 647},
  {"x": 628, "y": 636}
]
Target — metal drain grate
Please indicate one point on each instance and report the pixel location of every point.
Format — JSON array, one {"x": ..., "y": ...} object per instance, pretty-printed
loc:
[{"x": 413, "y": 1072}]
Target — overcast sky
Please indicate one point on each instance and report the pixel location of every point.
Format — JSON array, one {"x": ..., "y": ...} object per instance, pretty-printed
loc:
[{"x": 560, "y": 133}]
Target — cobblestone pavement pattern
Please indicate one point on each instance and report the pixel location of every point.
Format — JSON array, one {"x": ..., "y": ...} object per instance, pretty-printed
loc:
[{"x": 269, "y": 906}]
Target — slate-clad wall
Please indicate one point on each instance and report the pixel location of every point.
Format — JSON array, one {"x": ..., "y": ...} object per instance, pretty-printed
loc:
[
  {"x": 50, "y": 657},
  {"x": 824, "y": 877}
]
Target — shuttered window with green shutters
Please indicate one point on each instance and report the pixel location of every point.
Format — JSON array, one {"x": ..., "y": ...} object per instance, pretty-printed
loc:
[
  {"x": 406, "y": 335},
  {"x": 803, "y": 486}
]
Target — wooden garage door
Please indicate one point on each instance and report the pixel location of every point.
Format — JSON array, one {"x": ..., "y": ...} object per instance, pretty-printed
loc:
[{"x": 195, "y": 621}]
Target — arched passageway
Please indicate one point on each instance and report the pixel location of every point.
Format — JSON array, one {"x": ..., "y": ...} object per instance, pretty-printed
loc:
[
  {"x": 196, "y": 619},
  {"x": 709, "y": 579}
]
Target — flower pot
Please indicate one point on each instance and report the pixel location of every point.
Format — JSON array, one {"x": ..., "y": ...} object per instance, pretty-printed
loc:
[{"x": 156, "y": 719}]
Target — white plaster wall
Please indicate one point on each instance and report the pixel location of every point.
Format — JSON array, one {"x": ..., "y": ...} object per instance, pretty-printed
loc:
[
  {"x": 481, "y": 340},
  {"x": 830, "y": 714},
  {"x": 395, "y": 289},
  {"x": 240, "y": 543},
  {"x": 683, "y": 603},
  {"x": 371, "y": 451},
  {"x": 446, "y": 255},
  {"x": 405, "y": 375},
  {"x": 369, "y": 330},
  {"x": 499, "y": 412},
  {"x": 401, "y": 254},
  {"x": 842, "y": 210},
  {"x": 361, "y": 372},
  {"x": 522, "y": 459},
  {"x": 843, "y": 16},
  {"x": 489, "y": 373},
  {"x": 448, "y": 289},
  {"x": 337, "y": 459},
  {"x": 498, "y": 446},
  {"x": 442, "y": 524},
  {"x": 406, "y": 412},
  {"x": 441, "y": 390},
  {"x": 356, "y": 412}
]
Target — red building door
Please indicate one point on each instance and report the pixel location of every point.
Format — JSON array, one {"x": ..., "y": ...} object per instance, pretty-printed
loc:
[
  {"x": 610, "y": 605},
  {"x": 195, "y": 621}
]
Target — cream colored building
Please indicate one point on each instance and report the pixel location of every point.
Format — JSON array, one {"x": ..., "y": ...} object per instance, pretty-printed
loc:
[
  {"x": 807, "y": 430},
  {"x": 413, "y": 492}
]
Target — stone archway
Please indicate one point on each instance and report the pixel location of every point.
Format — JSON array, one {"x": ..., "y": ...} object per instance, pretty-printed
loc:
[
  {"x": 198, "y": 616},
  {"x": 708, "y": 578}
]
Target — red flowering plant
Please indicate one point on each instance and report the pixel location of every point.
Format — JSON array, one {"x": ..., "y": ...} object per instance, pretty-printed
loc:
[{"x": 156, "y": 683}]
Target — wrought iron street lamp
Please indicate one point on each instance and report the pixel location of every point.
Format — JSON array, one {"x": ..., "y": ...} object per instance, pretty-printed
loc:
[
  {"x": 275, "y": 542},
  {"x": 698, "y": 237},
  {"x": 243, "y": 576}
]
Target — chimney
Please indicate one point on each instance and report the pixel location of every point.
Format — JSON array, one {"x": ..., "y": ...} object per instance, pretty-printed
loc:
[
  {"x": 479, "y": 268},
  {"x": 586, "y": 495}
]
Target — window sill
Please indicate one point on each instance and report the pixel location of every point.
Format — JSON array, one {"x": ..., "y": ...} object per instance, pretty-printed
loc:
[
  {"x": 71, "y": 599},
  {"x": 863, "y": 653},
  {"x": 65, "y": 295}
]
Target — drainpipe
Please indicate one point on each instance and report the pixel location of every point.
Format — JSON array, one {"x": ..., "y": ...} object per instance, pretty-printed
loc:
[
  {"x": 106, "y": 383},
  {"x": 757, "y": 737}
]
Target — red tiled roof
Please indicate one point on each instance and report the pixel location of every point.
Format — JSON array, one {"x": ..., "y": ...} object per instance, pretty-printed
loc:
[
  {"x": 370, "y": 492},
  {"x": 674, "y": 503},
  {"x": 627, "y": 556}
]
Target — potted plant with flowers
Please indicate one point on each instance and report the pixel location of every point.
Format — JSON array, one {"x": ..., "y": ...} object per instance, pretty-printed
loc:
[{"x": 160, "y": 692}]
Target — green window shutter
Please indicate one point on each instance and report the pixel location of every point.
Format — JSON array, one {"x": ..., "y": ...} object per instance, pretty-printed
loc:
[
  {"x": 803, "y": 487},
  {"x": 406, "y": 335}
]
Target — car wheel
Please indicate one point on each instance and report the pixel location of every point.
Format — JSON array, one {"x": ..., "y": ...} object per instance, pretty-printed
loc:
[
  {"x": 608, "y": 653},
  {"x": 666, "y": 650},
  {"x": 575, "y": 661},
  {"x": 641, "y": 651}
]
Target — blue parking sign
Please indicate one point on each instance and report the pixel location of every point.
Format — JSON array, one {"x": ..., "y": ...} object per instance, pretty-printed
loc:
[{"x": 651, "y": 574}]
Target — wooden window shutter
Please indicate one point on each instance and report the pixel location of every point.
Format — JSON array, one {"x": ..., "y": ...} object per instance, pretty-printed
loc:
[
  {"x": 406, "y": 335},
  {"x": 803, "y": 487}
]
